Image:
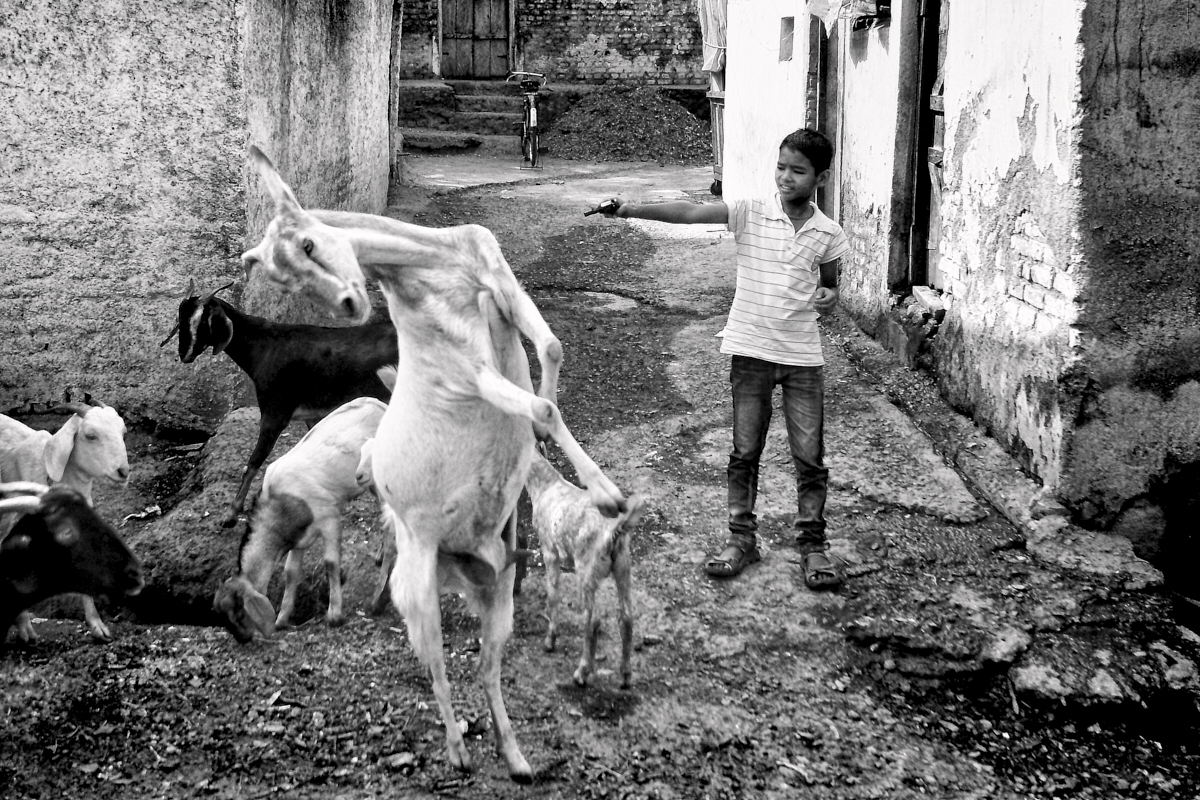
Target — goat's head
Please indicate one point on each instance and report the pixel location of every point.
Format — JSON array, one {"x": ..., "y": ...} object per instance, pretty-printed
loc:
[
  {"x": 202, "y": 323},
  {"x": 243, "y": 610},
  {"x": 93, "y": 440},
  {"x": 302, "y": 253},
  {"x": 61, "y": 544}
]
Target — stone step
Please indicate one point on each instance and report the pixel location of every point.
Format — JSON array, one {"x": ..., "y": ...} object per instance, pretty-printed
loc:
[
  {"x": 433, "y": 140},
  {"x": 511, "y": 104},
  {"x": 488, "y": 122},
  {"x": 493, "y": 87}
]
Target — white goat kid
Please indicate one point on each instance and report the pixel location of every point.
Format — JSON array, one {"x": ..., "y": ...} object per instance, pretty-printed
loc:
[
  {"x": 454, "y": 447},
  {"x": 89, "y": 446},
  {"x": 570, "y": 530},
  {"x": 304, "y": 495}
]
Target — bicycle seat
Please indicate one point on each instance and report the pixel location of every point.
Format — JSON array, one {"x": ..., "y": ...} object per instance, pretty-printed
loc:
[{"x": 531, "y": 86}]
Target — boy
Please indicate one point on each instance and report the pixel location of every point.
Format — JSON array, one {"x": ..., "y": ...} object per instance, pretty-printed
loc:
[{"x": 787, "y": 271}]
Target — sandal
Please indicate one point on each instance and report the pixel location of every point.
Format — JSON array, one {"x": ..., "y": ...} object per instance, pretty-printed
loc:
[
  {"x": 821, "y": 571},
  {"x": 732, "y": 560}
]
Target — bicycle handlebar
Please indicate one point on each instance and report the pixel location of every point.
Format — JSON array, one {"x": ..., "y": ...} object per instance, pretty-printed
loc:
[{"x": 522, "y": 75}]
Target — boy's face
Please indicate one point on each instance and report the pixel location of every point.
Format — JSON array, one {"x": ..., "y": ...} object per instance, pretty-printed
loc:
[{"x": 795, "y": 177}]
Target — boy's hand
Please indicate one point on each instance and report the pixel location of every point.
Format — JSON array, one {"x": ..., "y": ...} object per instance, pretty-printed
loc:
[
  {"x": 607, "y": 209},
  {"x": 825, "y": 299}
]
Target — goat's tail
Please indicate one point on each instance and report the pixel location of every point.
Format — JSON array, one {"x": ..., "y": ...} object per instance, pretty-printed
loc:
[{"x": 636, "y": 508}]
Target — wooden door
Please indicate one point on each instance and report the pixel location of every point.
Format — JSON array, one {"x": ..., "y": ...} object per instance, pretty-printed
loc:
[
  {"x": 927, "y": 221},
  {"x": 474, "y": 38}
]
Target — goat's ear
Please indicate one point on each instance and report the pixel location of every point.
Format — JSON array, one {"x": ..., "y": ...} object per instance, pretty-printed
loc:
[
  {"x": 62, "y": 526},
  {"x": 280, "y": 192},
  {"x": 58, "y": 449},
  {"x": 220, "y": 329},
  {"x": 259, "y": 613}
]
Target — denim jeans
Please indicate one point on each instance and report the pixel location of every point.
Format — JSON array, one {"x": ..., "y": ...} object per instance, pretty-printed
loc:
[{"x": 753, "y": 382}]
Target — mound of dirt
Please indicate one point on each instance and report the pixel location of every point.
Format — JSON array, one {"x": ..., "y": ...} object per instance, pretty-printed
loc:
[{"x": 630, "y": 124}]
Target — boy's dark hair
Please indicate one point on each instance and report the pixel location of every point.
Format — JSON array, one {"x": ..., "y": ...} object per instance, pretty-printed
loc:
[{"x": 812, "y": 145}]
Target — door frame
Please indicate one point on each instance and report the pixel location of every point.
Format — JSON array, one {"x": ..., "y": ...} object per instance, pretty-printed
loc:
[{"x": 511, "y": 11}]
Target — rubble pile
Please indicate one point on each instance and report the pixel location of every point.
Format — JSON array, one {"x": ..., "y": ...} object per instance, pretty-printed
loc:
[{"x": 629, "y": 124}]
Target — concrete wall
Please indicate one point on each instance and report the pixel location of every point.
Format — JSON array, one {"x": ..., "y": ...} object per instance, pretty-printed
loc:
[
  {"x": 765, "y": 98},
  {"x": 1136, "y": 448},
  {"x": 869, "y": 67},
  {"x": 124, "y": 139},
  {"x": 623, "y": 42},
  {"x": 1010, "y": 223},
  {"x": 316, "y": 88}
]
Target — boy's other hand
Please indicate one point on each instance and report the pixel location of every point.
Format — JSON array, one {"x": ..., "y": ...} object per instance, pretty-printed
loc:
[
  {"x": 825, "y": 299},
  {"x": 606, "y": 209}
]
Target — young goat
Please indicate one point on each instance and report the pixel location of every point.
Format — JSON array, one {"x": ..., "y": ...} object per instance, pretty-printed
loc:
[
  {"x": 453, "y": 450},
  {"x": 569, "y": 530},
  {"x": 58, "y": 545},
  {"x": 299, "y": 371},
  {"x": 89, "y": 446},
  {"x": 304, "y": 495}
]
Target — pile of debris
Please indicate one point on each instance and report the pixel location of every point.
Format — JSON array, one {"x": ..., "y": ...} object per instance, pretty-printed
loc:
[{"x": 629, "y": 124}]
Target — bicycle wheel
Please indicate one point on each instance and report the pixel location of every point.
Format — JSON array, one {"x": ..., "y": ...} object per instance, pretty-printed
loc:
[{"x": 531, "y": 147}]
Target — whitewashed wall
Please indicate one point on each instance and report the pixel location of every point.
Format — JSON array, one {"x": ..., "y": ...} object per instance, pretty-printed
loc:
[
  {"x": 765, "y": 98},
  {"x": 868, "y": 70}
]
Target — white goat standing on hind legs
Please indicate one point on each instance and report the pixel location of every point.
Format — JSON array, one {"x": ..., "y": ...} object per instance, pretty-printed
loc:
[{"x": 454, "y": 447}]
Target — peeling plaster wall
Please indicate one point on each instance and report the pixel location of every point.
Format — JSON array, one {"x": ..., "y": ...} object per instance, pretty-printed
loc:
[
  {"x": 765, "y": 98},
  {"x": 1009, "y": 246},
  {"x": 123, "y": 141},
  {"x": 1139, "y": 426},
  {"x": 865, "y": 156}
]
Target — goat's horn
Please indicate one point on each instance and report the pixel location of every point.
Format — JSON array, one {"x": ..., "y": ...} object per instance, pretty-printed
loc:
[
  {"x": 169, "y": 335},
  {"x": 191, "y": 290},
  {"x": 24, "y": 487},
  {"x": 213, "y": 293}
]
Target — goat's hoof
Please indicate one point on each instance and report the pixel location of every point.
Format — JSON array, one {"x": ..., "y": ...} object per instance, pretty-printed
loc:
[
  {"x": 229, "y": 520},
  {"x": 548, "y": 644},
  {"x": 581, "y": 678},
  {"x": 335, "y": 622},
  {"x": 458, "y": 756}
]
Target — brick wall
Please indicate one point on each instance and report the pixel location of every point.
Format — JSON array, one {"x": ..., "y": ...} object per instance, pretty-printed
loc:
[{"x": 624, "y": 42}]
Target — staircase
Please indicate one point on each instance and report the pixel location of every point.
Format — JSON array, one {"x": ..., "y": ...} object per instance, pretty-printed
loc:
[{"x": 438, "y": 116}]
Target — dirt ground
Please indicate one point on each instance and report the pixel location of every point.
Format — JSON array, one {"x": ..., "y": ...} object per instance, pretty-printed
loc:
[{"x": 755, "y": 687}]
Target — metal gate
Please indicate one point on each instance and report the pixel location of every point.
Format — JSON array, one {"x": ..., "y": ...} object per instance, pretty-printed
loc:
[{"x": 474, "y": 38}]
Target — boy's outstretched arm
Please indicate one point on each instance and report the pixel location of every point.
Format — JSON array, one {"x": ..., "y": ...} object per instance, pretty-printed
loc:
[{"x": 677, "y": 211}]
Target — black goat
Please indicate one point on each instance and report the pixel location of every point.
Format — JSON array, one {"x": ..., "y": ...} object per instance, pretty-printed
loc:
[
  {"x": 299, "y": 372},
  {"x": 60, "y": 545}
]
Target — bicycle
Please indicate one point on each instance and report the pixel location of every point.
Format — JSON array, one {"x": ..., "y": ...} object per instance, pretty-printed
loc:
[{"x": 531, "y": 84}]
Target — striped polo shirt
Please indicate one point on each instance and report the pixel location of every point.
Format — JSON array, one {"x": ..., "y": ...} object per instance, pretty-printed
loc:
[{"x": 772, "y": 317}]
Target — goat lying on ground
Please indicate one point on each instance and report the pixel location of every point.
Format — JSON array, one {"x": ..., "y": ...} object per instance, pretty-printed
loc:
[
  {"x": 570, "y": 529},
  {"x": 89, "y": 446},
  {"x": 453, "y": 450},
  {"x": 304, "y": 495},
  {"x": 299, "y": 371},
  {"x": 58, "y": 545}
]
